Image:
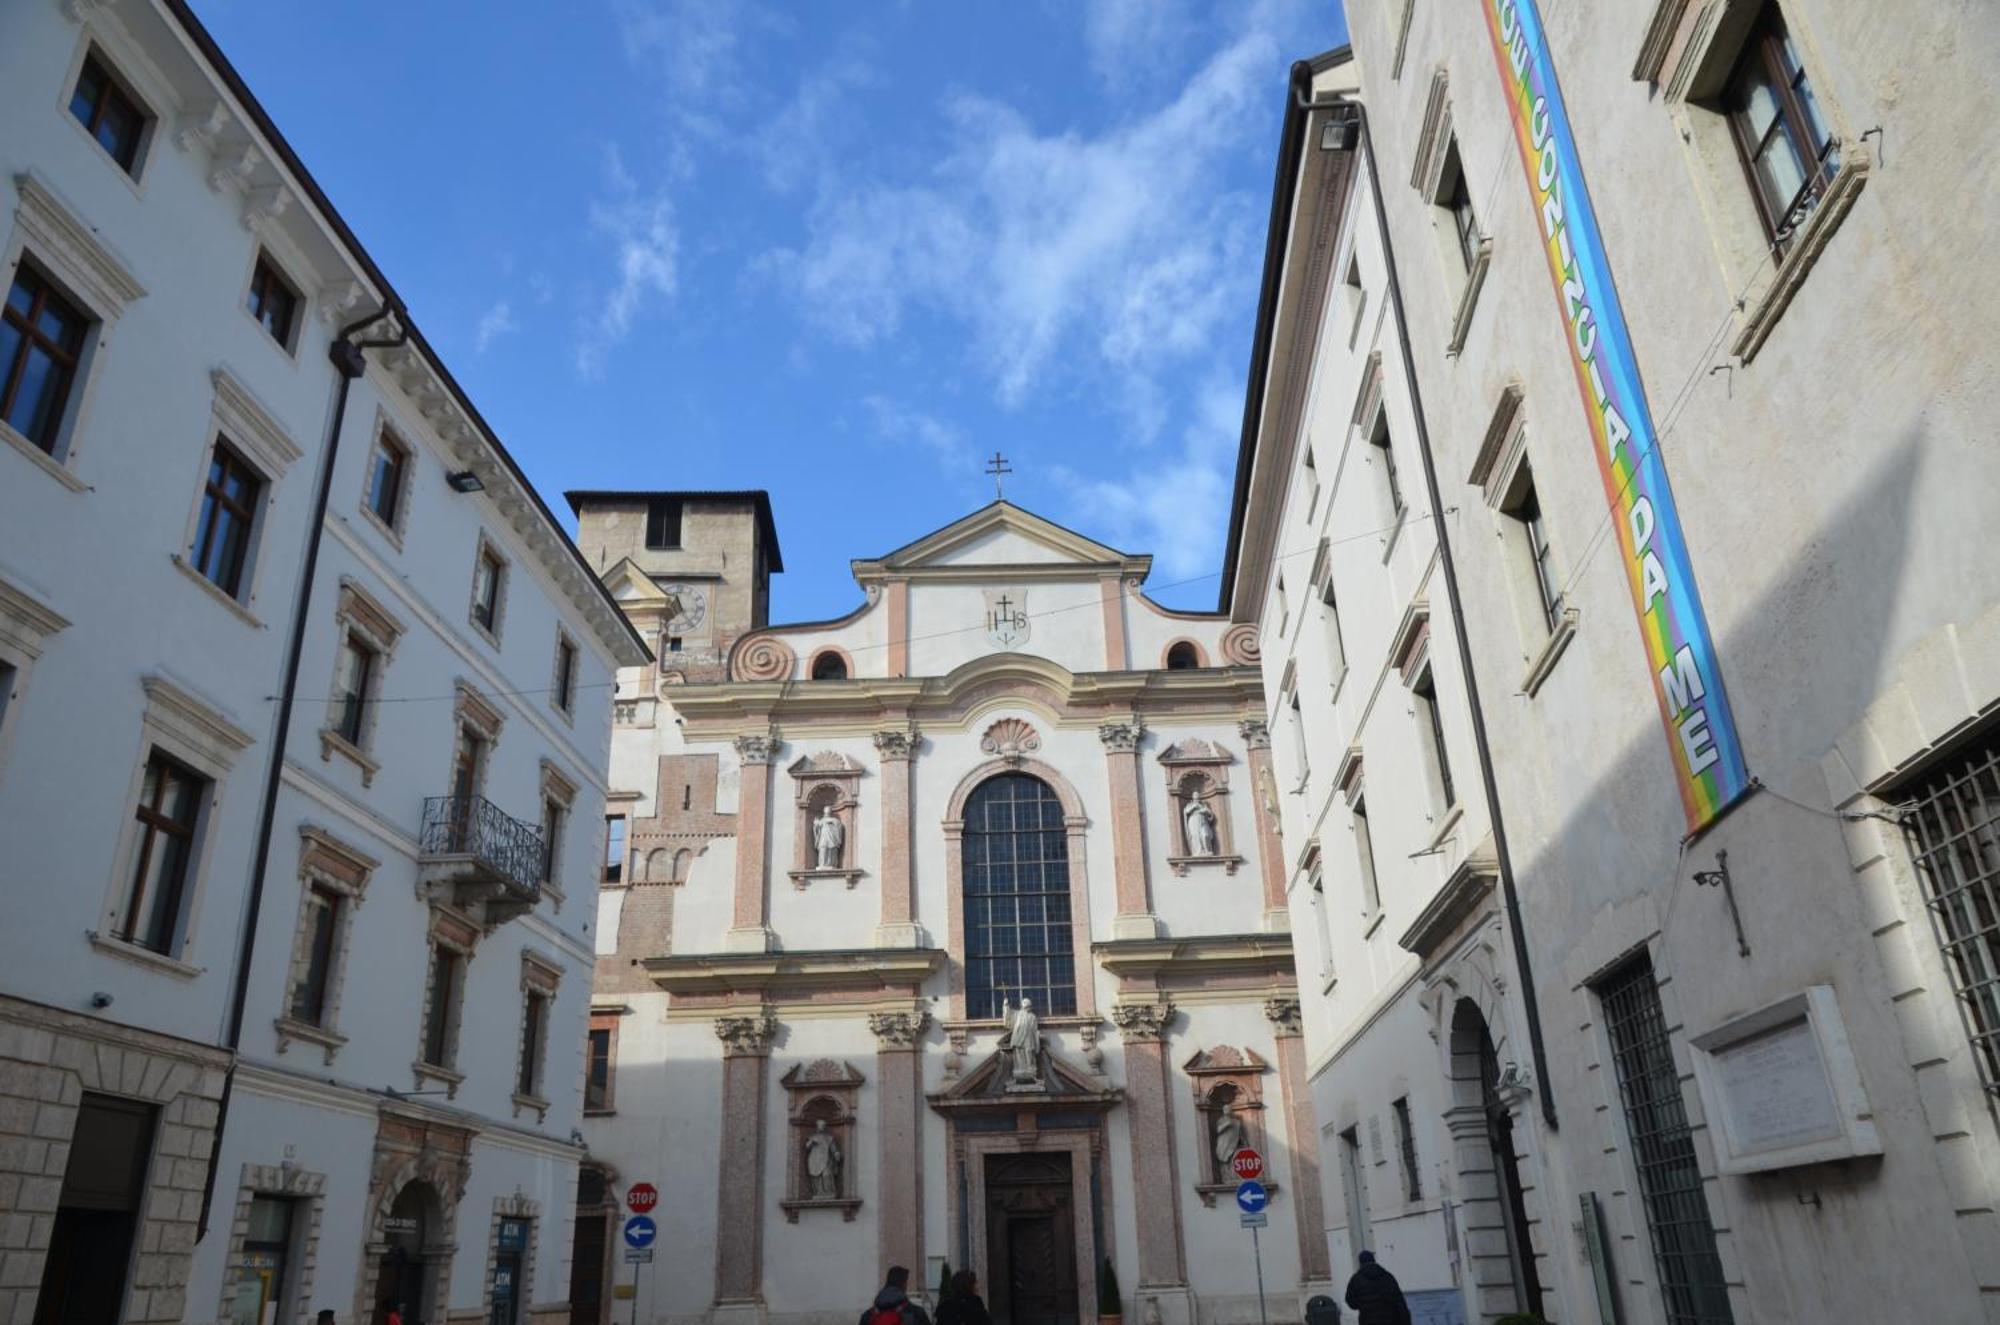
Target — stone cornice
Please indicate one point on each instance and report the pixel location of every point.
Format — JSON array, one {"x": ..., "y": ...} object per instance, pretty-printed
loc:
[
  {"x": 1152, "y": 959},
  {"x": 1462, "y": 895},
  {"x": 777, "y": 975}
]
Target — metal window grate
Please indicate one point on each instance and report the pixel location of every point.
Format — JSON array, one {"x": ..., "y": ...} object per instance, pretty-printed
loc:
[
  {"x": 1017, "y": 912},
  {"x": 1663, "y": 1149},
  {"x": 1953, "y": 827}
]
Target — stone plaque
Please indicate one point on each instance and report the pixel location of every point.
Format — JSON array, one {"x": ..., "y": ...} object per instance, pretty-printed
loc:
[{"x": 1774, "y": 1089}]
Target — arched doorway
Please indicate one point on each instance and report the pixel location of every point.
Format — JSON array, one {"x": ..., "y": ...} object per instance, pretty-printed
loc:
[
  {"x": 403, "y": 1272},
  {"x": 1488, "y": 1164}
]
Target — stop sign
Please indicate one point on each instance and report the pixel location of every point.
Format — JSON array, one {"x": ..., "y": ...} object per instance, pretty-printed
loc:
[
  {"x": 1247, "y": 1165},
  {"x": 642, "y": 1197}
]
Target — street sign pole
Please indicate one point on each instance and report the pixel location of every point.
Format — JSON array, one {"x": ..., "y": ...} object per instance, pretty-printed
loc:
[
  {"x": 1257, "y": 1251},
  {"x": 635, "y": 1293}
]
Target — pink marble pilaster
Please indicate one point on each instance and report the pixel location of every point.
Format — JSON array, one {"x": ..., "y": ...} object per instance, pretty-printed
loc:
[
  {"x": 1308, "y": 1214},
  {"x": 1113, "y": 594},
  {"x": 1156, "y": 1188},
  {"x": 1132, "y": 885},
  {"x": 1270, "y": 855},
  {"x": 739, "y": 1224},
  {"x": 899, "y": 628},
  {"x": 899, "y": 1087},
  {"x": 896, "y": 749},
  {"x": 752, "y": 819}
]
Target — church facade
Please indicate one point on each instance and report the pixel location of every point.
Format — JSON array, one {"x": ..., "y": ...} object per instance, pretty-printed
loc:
[{"x": 950, "y": 932}]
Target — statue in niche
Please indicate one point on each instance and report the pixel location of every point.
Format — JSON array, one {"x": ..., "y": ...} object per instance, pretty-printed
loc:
[
  {"x": 1200, "y": 821},
  {"x": 829, "y": 835},
  {"x": 1229, "y": 1138},
  {"x": 1023, "y": 1041},
  {"x": 822, "y": 1164}
]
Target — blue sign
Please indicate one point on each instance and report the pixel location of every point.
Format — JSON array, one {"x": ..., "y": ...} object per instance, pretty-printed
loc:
[
  {"x": 640, "y": 1230},
  {"x": 1251, "y": 1197}
]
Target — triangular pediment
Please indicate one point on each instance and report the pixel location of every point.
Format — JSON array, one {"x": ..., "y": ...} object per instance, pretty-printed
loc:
[
  {"x": 631, "y": 587},
  {"x": 1063, "y": 1085},
  {"x": 1001, "y": 535}
]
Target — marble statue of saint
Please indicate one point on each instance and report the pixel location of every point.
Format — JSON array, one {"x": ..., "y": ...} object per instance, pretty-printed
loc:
[
  {"x": 1200, "y": 821},
  {"x": 1229, "y": 1137},
  {"x": 828, "y": 837},
  {"x": 822, "y": 1164},
  {"x": 1023, "y": 1040}
]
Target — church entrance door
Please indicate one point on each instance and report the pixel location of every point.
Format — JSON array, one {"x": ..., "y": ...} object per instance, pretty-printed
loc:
[{"x": 1031, "y": 1239}]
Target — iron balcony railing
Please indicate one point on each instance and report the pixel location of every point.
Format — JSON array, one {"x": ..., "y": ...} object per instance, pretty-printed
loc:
[{"x": 495, "y": 841}]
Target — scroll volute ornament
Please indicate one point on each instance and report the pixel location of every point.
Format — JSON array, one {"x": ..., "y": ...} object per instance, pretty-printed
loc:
[
  {"x": 765, "y": 659},
  {"x": 1240, "y": 645},
  {"x": 1011, "y": 739}
]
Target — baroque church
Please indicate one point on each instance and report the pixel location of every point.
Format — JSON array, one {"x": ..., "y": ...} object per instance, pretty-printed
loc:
[{"x": 948, "y": 933}]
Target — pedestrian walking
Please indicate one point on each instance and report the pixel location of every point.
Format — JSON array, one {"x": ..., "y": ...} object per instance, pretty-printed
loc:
[
  {"x": 964, "y": 1306},
  {"x": 893, "y": 1305},
  {"x": 1375, "y": 1295}
]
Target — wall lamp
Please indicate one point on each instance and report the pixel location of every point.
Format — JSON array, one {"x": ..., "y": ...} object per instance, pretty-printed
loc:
[{"x": 464, "y": 480}]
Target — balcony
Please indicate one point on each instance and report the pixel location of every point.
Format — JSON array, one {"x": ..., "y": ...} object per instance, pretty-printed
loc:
[{"x": 480, "y": 859}]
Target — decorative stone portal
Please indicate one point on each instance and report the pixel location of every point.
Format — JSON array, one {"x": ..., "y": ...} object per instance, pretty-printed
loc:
[{"x": 1026, "y": 1186}]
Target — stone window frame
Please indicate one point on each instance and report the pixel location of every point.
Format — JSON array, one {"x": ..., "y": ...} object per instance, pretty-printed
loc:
[
  {"x": 1240, "y": 1071},
  {"x": 827, "y": 777},
  {"x": 474, "y": 711},
  {"x": 386, "y": 433},
  {"x": 560, "y": 789},
  {"x": 67, "y": 252},
  {"x": 306, "y": 1192},
  {"x": 1182, "y": 763},
  {"x": 358, "y": 612},
  {"x": 1687, "y": 52},
  {"x": 1497, "y": 471},
  {"x": 1438, "y": 146},
  {"x": 821, "y": 1089},
  {"x": 511, "y": 1207},
  {"x": 458, "y": 933},
  {"x": 255, "y": 437},
  {"x": 487, "y": 546},
  {"x": 1166, "y": 651},
  {"x": 565, "y": 638},
  {"x": 132, "y": 74},
  {"x": 541, "y": 977},
  {"x": 1312, "y": 870},
  {"x": 326, "y": 862},
  {"x": 603, "y": 1019},
  {"x": 26, "y": 626},
  {"x": 194, "y": 731},
  {"x": 1410, "y": 656}
]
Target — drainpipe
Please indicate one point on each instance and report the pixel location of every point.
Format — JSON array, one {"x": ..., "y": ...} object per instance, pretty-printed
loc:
[
  {"x": 348, "y": 364},
  {"x": 1503, "y": 859}
]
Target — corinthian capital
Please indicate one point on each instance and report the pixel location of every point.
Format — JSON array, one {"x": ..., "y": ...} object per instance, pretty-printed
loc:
[
  {"x": 749, "y": 1035},
  {"x": 1121, "y": 737},
  {"x": 896, "y": 744},
  {"x": 1143, "y": 1021},
  {"x": 1284, "y": 1015},
  {"x": 898, "y": 1030},
  {"x": 1256, "y": 734},
  {"x": 757, "y": 747}
]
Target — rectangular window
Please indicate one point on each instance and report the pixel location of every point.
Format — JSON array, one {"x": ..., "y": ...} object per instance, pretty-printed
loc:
[
  {"x": 263, "y": 1267},
  {"x": 1432, "y": 719},
  {"x": 169, "y": 811},
  {"x": 1663, "y": 1149},
  {"x": 41, "y": 344},
  {"x": 565, "y": 687},
  {"x": 1357, "y": 300},
  {"x": 273, "y": 302},
  {"x": 1527, "y": 510},
  {"x": 1354, "y": 1181},
  {"x": 1458, "y": 201},
  {"x": 1312, "y": 481},
  {"x": 663, "y": 523},
  {"x": 1787, "y": 147},
  {"x": 534, "y": 1023},
  {"x": 1364, "y": 853},
  {"x": 445, "y": 976},
  {"x": 614, "y": 848},
  {"x": 1322, "y": 923},
  {"x": 1953, "y": 828},
  {"x": 1406, "y": 1145},
  {"x": 1336, "y": 647},
  {"x": 673, "y": 644},
  {"x": 597, "y": 1077},
  {"x": 1379, "y": 439},
  {"x": 96, "y": 1227},
  {"x": 228, "y": 515},
  {"x": 322, "y": 935},
  {"x": 553, "y": 814},
  {"x": 351, "y": 689},
  {"x": 386, "y": 464},
  {"x": 1295, "y": 721},
  {"x": 486, "y": 578},
  {"x": 108, "y": 112}
]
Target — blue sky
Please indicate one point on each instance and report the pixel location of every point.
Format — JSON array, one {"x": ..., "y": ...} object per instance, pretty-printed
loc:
[{"x": 839, "y": 251}]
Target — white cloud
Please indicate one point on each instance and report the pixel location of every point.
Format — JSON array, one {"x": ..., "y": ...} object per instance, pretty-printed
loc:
[
  {"x": 898, "y": 422},
  {"x": 646, "y": 249},
  {"x": 499, "y": 321}
]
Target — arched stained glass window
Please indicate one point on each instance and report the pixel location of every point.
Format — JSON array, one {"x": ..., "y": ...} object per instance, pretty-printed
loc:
[{"x": 1017, "y": 913}]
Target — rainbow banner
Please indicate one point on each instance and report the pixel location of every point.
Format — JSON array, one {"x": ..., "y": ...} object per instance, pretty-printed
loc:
[{"x": 1701, "y": 734}]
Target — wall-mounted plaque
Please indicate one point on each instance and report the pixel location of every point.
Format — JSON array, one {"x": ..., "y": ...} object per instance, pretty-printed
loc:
[{"x": 1781, "y": 1087}]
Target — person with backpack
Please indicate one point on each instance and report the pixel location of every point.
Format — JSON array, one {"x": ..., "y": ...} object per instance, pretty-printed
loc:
[
  {"x": 1375, "y": 1295},
  {"x": 964, "y": 1306},
  {"x": 893, "y": 1305}
]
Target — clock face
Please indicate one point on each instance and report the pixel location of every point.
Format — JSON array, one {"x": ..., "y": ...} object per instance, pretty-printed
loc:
[{"x": 694, "y": 608}]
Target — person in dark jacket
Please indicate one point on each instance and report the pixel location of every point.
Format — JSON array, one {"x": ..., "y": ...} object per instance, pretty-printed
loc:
[
  {"x": 895, "y": 1297},
  {"x": 1375, "y": 1295},
  {"x": 964, "y": 1306}
]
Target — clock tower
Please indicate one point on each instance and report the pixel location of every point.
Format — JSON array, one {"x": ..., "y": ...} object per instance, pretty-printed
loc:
[{"x": 692, "y": 569}]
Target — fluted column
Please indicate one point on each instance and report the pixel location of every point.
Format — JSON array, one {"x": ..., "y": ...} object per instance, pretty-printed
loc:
[
  {"x": 898, "y": 927},
  {"x": 1156, "y": 1187},
  {"x": 898, "y": 1073},
  {"x": 739, "y": 1223},
  {"x": 1308, "y": 1213},
  {"x": 1135, "y": 918},
  {"x": 1270, "y": 854},
  {"x": 750, "y": 929}
]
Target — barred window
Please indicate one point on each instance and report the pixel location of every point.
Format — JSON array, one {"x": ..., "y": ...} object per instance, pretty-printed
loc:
[
  {"x": 1017, "y": 914},
  {"x": 1953, "y": 827}
]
